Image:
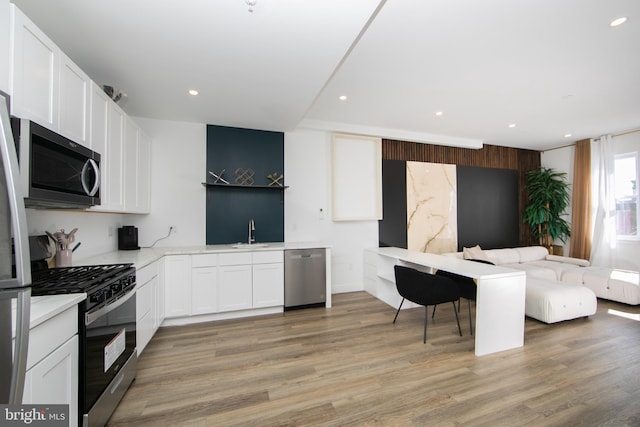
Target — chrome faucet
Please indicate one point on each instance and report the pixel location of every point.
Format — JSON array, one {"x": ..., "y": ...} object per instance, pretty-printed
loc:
[{"x": 252, "y": 228}]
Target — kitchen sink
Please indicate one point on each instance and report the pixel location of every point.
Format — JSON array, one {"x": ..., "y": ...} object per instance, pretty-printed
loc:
[{"x": 249, "y": 245}]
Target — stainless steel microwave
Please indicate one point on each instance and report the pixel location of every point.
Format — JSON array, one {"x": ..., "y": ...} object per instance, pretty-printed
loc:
[{"x": 55, "y": 172}]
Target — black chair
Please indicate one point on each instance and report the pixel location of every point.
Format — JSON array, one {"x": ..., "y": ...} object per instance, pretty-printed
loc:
[
  {"x": 467, "y": 285},
  {"x": 425, "y": 289}
]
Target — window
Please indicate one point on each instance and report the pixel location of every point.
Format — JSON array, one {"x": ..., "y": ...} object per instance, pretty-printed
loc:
[{"x": 626, "y": 192}]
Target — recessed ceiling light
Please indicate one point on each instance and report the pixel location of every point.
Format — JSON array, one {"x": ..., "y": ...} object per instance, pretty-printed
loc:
[
  {"x": 618, "y": 21},
  {"x": 438, "y": 113},
  {"x": 193, "y": 92},
  {"x": 567, "y": 135},
  {"x": 342, "y": 97},
  {"x": 512, "y": 125}
]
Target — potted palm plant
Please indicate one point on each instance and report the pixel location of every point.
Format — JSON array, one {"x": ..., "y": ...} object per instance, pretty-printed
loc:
[{"x": 548, "y": 200}]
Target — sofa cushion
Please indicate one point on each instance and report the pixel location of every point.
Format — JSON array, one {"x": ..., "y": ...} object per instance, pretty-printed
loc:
[
  {"x": 503, "y": 256},
  {"x": 568, "y": 260},
  {"x": 616, "y": 285},
  {"x": 574, "y": 275},
  {"x": 534, "y": 271},
  {"x": 559, "y": 268},
  {"x": 474, "y": 252},
  {"x": 532, "y": 253},
  {"x": 554, "y": 301}
]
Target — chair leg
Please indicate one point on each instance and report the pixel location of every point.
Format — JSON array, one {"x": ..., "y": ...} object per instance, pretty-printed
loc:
[
  {"x": 457, "y": 321},
  {"x": 426, "y": 315},
  {"x": 399, "y": 307},
  {"x": 459, "y": 302},
  {"x": 434, "y": 311},
  {"x": 470, "y": 319}
]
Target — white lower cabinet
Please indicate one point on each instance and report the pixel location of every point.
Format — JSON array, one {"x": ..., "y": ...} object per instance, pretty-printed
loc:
[
  {"x": 268, "y": 279},
  {"x": 204, "y": 290},
  {"x": 177, "y": 282},
  {"x": 149, "y": 304},
  {"x": 54, "y": 380},
  {"x": 160, "y": 296},
  {"x": 236, "y": 282},
  {"x": 219, "y": 283},
  {"x": 52, "y": 363},
  {"x": 235, "y": 287}
]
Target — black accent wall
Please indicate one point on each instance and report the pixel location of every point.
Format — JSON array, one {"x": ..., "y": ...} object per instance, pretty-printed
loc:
[
  {"x": 487, "y": 207},
  {"x": 392, "y": 229},
  {"x": 229, "y": 208}
]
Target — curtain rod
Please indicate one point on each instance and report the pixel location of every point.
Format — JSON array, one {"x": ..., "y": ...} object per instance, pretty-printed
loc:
[
  {"x": 614, "y": 135},
  {"x": 626, "y": 133}
]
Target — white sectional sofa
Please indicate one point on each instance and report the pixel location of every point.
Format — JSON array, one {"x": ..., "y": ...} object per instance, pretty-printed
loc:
[
  {"x": 561, "y": 288},
  {"x": 615, "y": 285},
  {"x": 548, "y": 298}
]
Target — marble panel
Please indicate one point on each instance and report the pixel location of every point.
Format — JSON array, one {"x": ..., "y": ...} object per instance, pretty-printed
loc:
[{"x": 431, "y": 207}]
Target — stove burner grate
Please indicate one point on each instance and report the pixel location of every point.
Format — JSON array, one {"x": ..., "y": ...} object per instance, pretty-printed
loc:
[{"x": 75, "y": 279}]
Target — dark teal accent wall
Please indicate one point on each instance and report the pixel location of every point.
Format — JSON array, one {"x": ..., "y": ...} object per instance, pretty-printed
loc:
[{"x": 229, "y": 209}]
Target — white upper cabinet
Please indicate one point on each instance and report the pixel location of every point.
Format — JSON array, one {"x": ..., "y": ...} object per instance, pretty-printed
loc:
[
  {"x": 130, "y": 165},
  {"x": 144, "y": 174},
  {"x": 112, "y": 197},
  {"x": 137, "y": 169},
  {"x": 5, "y": 43},
  {"x": 35, "y": 72},
  {"x": 99, "y": 136},
  {"x": 98, "y": 120},
  {"x": 73, "y": 102},
  {"x": 46, "y": 86},
  {"x": 125, "y": 157}
]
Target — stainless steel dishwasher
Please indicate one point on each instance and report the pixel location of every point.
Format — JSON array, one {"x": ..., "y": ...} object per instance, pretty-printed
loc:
[{"x": 305, "y": 278}]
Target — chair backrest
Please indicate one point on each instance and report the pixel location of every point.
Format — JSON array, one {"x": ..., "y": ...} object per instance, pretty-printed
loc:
[
  {"x": 468, "y": 287},
  {"x": 424, "y": 288}
]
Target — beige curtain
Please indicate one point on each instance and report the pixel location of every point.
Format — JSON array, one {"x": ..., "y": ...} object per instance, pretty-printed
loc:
[{"x": 580, "y": 246}]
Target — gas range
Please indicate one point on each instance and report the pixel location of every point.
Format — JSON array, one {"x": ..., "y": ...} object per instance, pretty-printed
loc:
[
  {"x": 101, "y": 283},
  {"x": 107, "y": 357}
]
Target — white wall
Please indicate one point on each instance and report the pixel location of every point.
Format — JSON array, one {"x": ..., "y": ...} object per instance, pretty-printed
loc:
[
  {"x": 561, "y": 160},
  {"x": 97, "y": 232},
  {"x": 178, "y": 168},
  {"x": 308, "y": 208}
]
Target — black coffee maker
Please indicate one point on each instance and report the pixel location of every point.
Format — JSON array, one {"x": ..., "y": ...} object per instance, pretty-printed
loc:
[{"x": 128, "y": 238}]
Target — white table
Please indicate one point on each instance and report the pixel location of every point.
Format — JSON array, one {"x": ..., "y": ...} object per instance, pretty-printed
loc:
[{"x": 500, "y": 299}]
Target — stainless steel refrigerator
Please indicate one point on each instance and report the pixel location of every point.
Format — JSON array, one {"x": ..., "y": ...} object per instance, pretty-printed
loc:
[{"x": 14, "y": 286}]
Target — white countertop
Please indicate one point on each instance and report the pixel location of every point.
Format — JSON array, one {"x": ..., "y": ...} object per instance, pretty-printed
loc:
[
  {"x": 44, "y": 308},
  {"x": 474, "y": 270},
  {"x": 145, "y": 256}
]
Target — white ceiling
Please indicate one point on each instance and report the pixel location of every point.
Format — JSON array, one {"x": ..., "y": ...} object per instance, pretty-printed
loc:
[{"x": 551, "y": 67}]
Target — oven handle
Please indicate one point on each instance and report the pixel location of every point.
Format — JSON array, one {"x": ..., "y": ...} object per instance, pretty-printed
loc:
[{"x": 92, "y": 316}]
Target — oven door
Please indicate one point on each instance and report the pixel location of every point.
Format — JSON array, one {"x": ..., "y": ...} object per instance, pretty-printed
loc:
[{"x": 109, "y": 344}]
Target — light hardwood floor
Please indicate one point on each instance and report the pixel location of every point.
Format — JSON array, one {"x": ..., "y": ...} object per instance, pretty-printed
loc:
[{"x": 349, "y": 365}]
